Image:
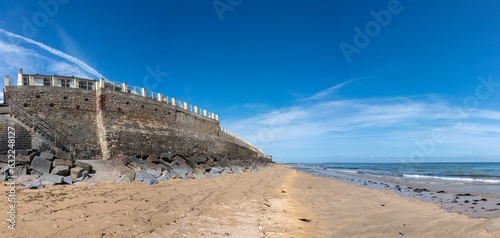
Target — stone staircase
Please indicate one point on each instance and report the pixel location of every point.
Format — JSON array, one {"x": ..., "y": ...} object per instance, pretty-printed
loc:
[{"x": 40, "y": 128}]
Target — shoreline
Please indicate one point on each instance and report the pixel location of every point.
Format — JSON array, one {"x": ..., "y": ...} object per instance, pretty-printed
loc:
[
  {"x": 268, "y": 203},
  {"x": 464, "y": 202}
]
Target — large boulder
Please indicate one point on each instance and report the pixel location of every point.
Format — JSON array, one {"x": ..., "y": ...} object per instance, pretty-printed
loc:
[
  {"x": 47, "y": 156},
  {"x": 77, "y": 173},
  {"x": 50, "y": 179},
  {"x": 34, "y": 185},
  {"x": 124, "y": 179},
  {"x": 154, "y": 172},
  {"x": 167, "y": 157},
  {"x": 68, "y": 180},
  {"x": 150, "y": 165},
  {"x": 84, "y": 166},
  {"x": 150, "y": 181},
  {"x": 180, "y": 171},
  {"x": 20, "y": 170},
  {"x": 21, "y": 159},
  {"x": 58, "y": 162},
  {"x": 62, "y": 170},
  {"x": 41, "y": 165},
  {"x": 143, "y": 175},
  {"x": 164, "y": 176},
  {"x": 63, "y": 155},
  {"x": 153, "y": 158}
]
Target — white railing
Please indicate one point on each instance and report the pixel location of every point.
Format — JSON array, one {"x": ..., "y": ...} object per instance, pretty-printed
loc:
[
  {"x": 114, "y": 85},
  {"x": 151, "y": 94},
  {"x": 135, "y": 90},
  {"x": 229, "y": 133}
]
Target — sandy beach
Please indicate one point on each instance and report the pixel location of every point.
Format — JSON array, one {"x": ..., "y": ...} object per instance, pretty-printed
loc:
[{"x": 269, "y": 203}]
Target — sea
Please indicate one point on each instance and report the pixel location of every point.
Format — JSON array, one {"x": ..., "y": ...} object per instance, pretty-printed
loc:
[{"x": 475, "y": 178}]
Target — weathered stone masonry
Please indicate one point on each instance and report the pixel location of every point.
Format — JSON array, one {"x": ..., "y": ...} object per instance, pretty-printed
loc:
[{"x": 105, "y": 122}]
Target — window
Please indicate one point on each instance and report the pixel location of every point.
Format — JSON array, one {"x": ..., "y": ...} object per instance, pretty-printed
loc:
[
  {"x": 86, "y": 85},
  {"x": 26, "y": 80},
  {"x": 65, "y": 83},
  {"x": 43, "y": 81},
  {"x": 47, "y": 81}
]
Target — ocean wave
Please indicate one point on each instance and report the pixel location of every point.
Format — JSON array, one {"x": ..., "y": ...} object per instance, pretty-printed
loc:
[
  {"x": 452, "y": 178},
  {"x": 346, "y": 171}
]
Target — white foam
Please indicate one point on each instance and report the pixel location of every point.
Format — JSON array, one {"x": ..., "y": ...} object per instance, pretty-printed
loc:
[{"x": 452, "y": 178}]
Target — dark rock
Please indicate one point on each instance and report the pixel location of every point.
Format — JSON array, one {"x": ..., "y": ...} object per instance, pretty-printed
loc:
[
  {"x": 63, "y": 155},
  {"x": 119, "y": 160},
  {"x": 58, "y": 162},
  {"x": 167, "y": 157},
  {"x": 77, "y": 173},
  {"x": 47, "y": 156},
  {"x": 85, "y": 166},
  {"x": 180, "y": 171},
  {"x": 150, "y": 181},
  {"x": 216, "y": 171},
  {"x": 154, "y": 172},
  {"x": 150, "y": 165},
  {"x": 67, "y": 180},
  {"x": 21, "y": 159},
  {"x": 41, "y": 165},
  {"x": 124, "y": 179},
  {"x": 484, "y": 199},
  {"x": 62, "y": 170},
  {"x": 50, "y": 179},
  {"x": 141, "y": 176},
  {"x": 34, "y": 185},
  {"x": 441, "y": 192},
  {"x": 463, "y": 194},
  {"x": 20, "y": 170},
  {"x": 33, "y": 154},
  {"x": 153, "y": 159},
  {"x": 165, "y": 175},
  {"x": 4, "y": 167}
]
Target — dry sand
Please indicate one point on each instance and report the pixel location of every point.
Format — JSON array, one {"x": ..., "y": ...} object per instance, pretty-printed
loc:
[{"x": 268, "y": 203}]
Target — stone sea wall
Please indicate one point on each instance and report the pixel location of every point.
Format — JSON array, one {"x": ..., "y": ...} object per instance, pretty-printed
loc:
[{"x": 105, "y": 122}]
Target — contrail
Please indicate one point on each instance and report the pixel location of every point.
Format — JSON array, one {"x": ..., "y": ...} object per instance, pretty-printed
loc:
[{"x": 59, "y": 53}]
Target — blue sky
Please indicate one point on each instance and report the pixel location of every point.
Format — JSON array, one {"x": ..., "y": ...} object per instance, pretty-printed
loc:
[{"x": 275, "y": 71}]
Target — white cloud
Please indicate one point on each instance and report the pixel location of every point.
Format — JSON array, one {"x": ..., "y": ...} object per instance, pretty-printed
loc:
[
  {"x": 55, "y": 52},
  {"x": 327, "y": 92},
  {"x": 373, "y": 126}
]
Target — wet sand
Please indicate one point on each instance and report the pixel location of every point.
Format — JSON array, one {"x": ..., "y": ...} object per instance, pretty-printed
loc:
[{"x": 268, "y": 203}]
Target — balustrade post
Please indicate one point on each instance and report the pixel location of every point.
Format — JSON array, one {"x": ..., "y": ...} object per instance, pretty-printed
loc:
[
  {"x": 125, "y": 87},
  {"x": 31, "y": 80},
  {"x": 102, "y": 83},
  {"x": 6, "y": 81},
  {"x": 76, "y": 82},
  {"x": 173, "y": 101},
  {"x": 144, "y": 92}
]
